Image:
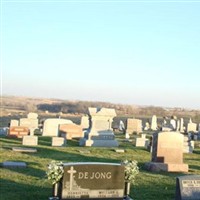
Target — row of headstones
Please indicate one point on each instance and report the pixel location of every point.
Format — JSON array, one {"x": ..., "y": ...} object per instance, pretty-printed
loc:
[
  {"x": 33, "y": 141},
  {"x": 188, "y": 144},
  {"x": 135, "y": 125}
]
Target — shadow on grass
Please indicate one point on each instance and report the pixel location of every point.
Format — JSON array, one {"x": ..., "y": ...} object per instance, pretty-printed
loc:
[
  {"x": 14, "y": 190},
  {"x": 30, "y": 171},
  {"x": 10, "y": 140}
]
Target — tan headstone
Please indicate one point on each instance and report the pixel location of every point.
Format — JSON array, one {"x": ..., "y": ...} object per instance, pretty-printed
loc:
[
  {"x": 134, "y": 125},
  {"x": 70, "y": 131},
  {"x": 18, "y": 131},
  {"x": 85, "y": 122},
  {"x": 167, "y": 152},
  {"x": 191, "y": 127}
]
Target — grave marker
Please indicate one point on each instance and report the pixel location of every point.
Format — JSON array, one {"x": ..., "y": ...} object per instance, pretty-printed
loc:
[
  {"x": 93, "y": 181},
  {"x": 188, "y": 187}
]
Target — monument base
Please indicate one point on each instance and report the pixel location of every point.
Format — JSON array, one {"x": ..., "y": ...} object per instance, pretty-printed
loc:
[{"x": 167, "y": 167}]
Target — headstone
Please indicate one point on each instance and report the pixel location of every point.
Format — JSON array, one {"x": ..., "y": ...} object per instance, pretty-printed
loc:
[
  {"x": 188, "y": 145},
  {"x": 127, "y": 136},
  {"x": 18, "y": 131},
  {"x": 142, "y": 142},
  {"x": 4, "y": 131},
  {"x": 181, "y": 125},
  {"x": 25, "y": 150},
  {"x": 173, "y": 124},
  {"x": 51, "y": 126},
  {"x": 191, "y": 127},
  {"x": 29, "y": 123},
  {"x": 32, "y": 115},
  {"x": 167, "y": 153},
  {"x": 119, "y": 150},
  {"x": 100, "y": 132},
  {"x": 10, "y": 164},
  {"x": 147, "y": 126},
  {"x": 30, "y": 140},
  {"x": 178, "y": 125},
  {"x": 14, "y": 122},
  {"x": 70, "y": 131},
  {"x": 85, "y": 122},
  {"x": 134, "y": 125},
  {"x": 121, "y": 126},
  {"x": 93, "y": 181},
  {"x": 58, "y": 141},
  {"x": 188, "y": 187},
  {"x": 154, "y": 123}
]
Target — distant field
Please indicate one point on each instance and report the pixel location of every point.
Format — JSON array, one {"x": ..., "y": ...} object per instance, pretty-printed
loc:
[{"x": 31, "y": 183}]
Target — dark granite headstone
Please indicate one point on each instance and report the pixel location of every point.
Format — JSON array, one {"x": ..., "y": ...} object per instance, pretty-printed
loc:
[
  {"x": 188, "y": 187},
  {"x": 93, "y": 181}
]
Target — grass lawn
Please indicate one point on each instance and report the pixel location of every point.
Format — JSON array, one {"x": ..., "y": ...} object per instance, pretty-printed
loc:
[{"x": 31, "y": 183}]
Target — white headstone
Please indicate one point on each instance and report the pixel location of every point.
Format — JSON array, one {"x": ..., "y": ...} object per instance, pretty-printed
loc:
[
  {"x": 154, "y": 123},
  {"x": 30, "y": 140},
  {"x": 58, "y": 141},
  {"x": 51, "y": 126},
  {"x": 14, "y": 122},
  {"x": 100, "y": 132},
  {"x": 173, "y": 124},
  {"x": 181, "y": 125},
  {"x": 32, "y": 116}
]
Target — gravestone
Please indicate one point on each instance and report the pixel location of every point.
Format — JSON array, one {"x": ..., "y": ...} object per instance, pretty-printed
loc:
[
  {"x": 191, "y": 127},
  {"x": 100, "y": 132},
  {"x": 181, "y": 125},
  {"x": 51, "y": 126},
  {"x": 154, "y": 123},
  {"x": 85, "y": 122},
  {"x": 30, "y": 140},
  {"x": 142, "y": 142},
  {"x": 134, "y": 125},
  {"x": 29, "y": 123},
  {"x": 93, "y": 181},
  {"x": 173, "y": 124},
  {"x": 188, "y": 145},
  {"x": 32, "y": 115},
  {"x": 121, "y": 126},
  {"x": 178, "y": 125},
  {"x": 25, "y": 150},
  {"x": 14, "y": 164},
  {"x": 147, "y": 126},
  {"x": 58, "y": 141},
  {"x": 18, "y": 131},
  {"x": 70, "y": 131},
  {"x": 167, "y": 153},
  {"x": 14, "y": 122},
  {"x": 188, "y": 187},
  {"x": 4, "y": 131}
]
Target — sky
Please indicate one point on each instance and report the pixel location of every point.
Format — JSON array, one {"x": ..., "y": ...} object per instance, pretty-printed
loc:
[{"x": 127, "y": 52}]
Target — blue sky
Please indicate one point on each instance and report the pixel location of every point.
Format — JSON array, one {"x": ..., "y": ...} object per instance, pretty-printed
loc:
[{"x": 143, "y": 53}]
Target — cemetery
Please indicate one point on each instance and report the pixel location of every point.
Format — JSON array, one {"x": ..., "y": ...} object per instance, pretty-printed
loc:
[{"x": 92, "y": 160}]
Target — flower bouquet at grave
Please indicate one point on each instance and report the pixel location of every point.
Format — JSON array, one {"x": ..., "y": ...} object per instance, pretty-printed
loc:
[
  {"x": 55, "y": 173},
  {"x": 131, "y": 170}
]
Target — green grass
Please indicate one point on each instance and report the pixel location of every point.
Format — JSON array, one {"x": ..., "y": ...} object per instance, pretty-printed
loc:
[{"x": 31, "y": 183}]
